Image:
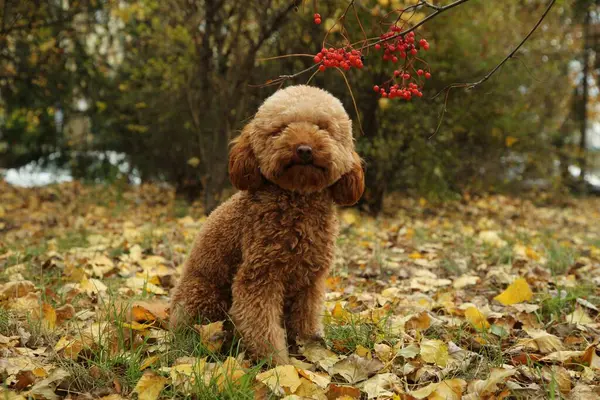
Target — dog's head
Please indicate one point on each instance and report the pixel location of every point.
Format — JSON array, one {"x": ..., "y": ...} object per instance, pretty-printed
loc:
[{"x": 301, "y": 140}]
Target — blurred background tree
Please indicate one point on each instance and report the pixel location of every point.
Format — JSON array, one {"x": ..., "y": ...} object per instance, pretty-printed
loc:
[{"x": 167, "y": 84}]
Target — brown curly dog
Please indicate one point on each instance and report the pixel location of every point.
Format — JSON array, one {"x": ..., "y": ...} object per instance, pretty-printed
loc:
[{"x": 262, "y": 257}]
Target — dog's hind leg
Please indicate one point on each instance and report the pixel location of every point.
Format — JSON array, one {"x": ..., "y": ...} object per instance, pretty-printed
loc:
[{"x": 196, "y": 298}]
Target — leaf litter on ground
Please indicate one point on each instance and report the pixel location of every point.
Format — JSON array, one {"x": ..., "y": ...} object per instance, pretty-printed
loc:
[{"x": 493, "y": 297}]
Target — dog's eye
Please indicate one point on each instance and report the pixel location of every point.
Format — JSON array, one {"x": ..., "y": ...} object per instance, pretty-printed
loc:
[
  {"x": 322, "y": 126},
  {"x": 277, "y": 131}
]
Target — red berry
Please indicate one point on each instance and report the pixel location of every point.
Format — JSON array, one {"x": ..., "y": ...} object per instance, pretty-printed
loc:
[
  {"x": 376, "y": 88},
  {"x": 420, "y": 72},
  {"x": 318, "y": 21},
  {"x": 413, "y": 52},
  {"x": 377, "y": 46},
  {"x": 321, "y": 68},
  {"x": 422, "y": 42},
  {"x": 384, "y": 94},
  {"x": 396, "y": 73},
  {"x": 427, "y": 75},
  {"x": 317, "y": 59},
  {"x": 317, "y": 15},
  {"x": 394, "y": 59}
]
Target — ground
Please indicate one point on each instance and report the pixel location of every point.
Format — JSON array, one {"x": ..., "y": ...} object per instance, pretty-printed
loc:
[{"x": 490, "y": 297}]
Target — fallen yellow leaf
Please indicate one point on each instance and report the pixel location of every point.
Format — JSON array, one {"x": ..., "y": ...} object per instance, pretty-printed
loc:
[
  {"x": 517, "y": 292},
  {"x": 281, "y": 380},
  {"x": 149, "y": 386},
  {"x": 510, "y": 140},
  {"x": 476, "y": 318},
  {"x": 434, "y": 351},
  {"x": 211, "y": 335}
]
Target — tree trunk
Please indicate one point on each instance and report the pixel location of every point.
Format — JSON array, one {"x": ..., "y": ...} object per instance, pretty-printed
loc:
[
  {"x": 375, "y": 187},
  {"x": 584, "y": 100}
]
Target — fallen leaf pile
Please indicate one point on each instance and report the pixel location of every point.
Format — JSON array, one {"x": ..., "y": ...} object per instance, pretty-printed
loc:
[{"x": 483, "y": 298}]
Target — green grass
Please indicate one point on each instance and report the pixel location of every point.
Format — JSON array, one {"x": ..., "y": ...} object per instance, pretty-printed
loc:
[
  {"x": 500, "y": 256},
  {"x": 450, "y": 266},
  {"x": 6, "y": 323},
  {"x": 560, "y": 258},
  {"x": 72, "y": 239},
  {"x": 554, "y": 308}
]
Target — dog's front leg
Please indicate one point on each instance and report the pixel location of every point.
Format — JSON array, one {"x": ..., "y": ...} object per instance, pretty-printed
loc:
[
  {"x": 306, "y": 311},
  {"x": 257, "y": 314}
]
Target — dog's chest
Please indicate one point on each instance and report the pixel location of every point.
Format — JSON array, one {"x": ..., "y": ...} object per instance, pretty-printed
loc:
[{"x": 298, "y": 234}]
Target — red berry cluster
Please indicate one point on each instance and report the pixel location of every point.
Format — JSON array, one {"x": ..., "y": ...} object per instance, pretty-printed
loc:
[
  {"x": 402, "y": 47},
  {"x": 317, "y": 18},
  {"x": 338, "y": 58},
  {"x": 396, "y": 90}
]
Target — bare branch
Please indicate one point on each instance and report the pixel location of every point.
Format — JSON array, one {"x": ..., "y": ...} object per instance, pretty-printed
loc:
[
  {"x": 438, "y": 11},
  {"x": 473, "y": 85},
  {"x": 282, "y": 78}
]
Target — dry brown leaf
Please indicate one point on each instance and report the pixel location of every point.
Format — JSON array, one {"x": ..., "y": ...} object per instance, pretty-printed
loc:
[
  {"x": 13, "y": 290},
  {"x": 338, "y": 392},
  {"x": 579, "y": 316},
  {"x": 321, "y": 379},
  {"x": 591, "y": 358},
  {"x": 546, "y": 342},
  {"x": 148, "y": 311},
  {"x": 465, "y": 280},
  {"x": 319, "y": 355},
  {"x": 381, "y": 385},
  {"x": 490, "y": 385},
  {"x": 562, "y": 356},
  {"x": 308, "y": 390},
  {"x": 449, "y": 389},
  {"x": 355, "y": 369},
  {"x": 419, "y": 321},
  {"x": 46, "y": 387},
  {"x": 64, "y": 313}
]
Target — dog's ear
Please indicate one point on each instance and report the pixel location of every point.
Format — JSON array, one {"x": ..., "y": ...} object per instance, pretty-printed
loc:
[
  {"x": 244, "y": 172},
  {"x": 350, "y": 187}
]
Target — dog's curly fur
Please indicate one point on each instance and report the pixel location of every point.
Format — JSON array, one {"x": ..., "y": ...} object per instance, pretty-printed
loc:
[{"x": 262, "y": 257}]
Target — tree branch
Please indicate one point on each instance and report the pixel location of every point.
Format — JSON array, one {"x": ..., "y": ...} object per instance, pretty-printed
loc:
[
  {"x": 282, "y": 78},
  {"x": 487, "y": 76},
  {"x": 438, "y": 11}
]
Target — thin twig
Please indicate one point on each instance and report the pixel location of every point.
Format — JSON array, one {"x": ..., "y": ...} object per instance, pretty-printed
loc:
[
  {"x": 353, "y": 99},
  {"x": 434, "y": 14},
  {"x": 473, "y": 85},
  {"x": 282, "y": 78},
  {"x": 285, "y": 56}
]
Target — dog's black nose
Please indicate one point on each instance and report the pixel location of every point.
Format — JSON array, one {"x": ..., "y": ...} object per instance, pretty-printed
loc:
[{"x": 304, "y": 153}]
